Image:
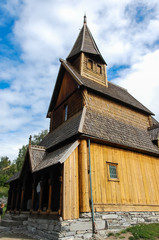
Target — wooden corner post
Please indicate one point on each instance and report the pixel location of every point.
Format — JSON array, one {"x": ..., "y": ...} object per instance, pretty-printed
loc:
[{"x": 83, "y": 177}]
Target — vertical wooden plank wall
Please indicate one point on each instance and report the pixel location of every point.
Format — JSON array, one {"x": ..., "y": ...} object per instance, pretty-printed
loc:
[
  {"x": 137, "y": 188},
  {"x": 71, "y": 187},
  {"x": 83, "y": 177}
]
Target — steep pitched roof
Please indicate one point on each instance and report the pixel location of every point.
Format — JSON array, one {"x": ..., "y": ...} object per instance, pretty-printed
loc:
[
  {"x": 66, "y": 130},
  {"x": 154, "y": 132},
  {"x": 113, "y": 91},
  {"x": 85, "y": 43},
  {"x": 14, "y": 177},
  {"x": 58, "y": 156},
  {"x": 105, "y": 128},
  {"x": 36, "y": 154}
]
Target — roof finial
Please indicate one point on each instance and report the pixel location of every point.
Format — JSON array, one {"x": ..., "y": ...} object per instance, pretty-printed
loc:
[
  {"x": 85, "y": 19},
  {"x": 30, "y": 140}
]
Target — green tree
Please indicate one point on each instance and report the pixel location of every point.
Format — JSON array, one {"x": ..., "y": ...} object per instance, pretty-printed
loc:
[
  {"x": 6, "y": 170},
  {"x": 39, "y": 137},
  {"x": 4, "y": 162}
]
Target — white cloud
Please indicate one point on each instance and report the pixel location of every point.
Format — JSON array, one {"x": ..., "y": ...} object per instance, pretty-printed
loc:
[
  {"x": 142, "y": 81},
  {"x": 46, "y": 30}
]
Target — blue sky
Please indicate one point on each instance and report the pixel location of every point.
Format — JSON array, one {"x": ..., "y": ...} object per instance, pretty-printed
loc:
[{"x": 35, "y": 34}]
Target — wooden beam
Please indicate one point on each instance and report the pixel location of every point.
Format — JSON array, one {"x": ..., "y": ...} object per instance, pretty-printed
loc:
[
  {"x": 50, "y": 196},
  {"x": 41, "y": 194},
  {"x": 17, "y": 198},
  {"x": 61, "y": 193},
  {"x": 84, "y": 177},
  {"x": 22, "y": 198},
  {"x": 12, "y": 199},
  {"x": 33, "y": 196}
]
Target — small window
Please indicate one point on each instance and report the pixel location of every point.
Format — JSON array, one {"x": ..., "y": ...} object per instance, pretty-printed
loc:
[
  {"x": 99, "y": 69},
  {"x": 66, "y": 112},
  {"x": 112, "y": 171},
  {"x": 90, "y": 64}
]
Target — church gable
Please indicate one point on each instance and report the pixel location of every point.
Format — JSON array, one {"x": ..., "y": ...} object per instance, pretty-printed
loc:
[{"x": 68, "y": 86}]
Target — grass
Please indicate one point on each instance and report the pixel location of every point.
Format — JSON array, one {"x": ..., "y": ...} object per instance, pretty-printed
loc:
[
  {"x": 141, "y": 231},
  {"x": 144, "y": 231}
]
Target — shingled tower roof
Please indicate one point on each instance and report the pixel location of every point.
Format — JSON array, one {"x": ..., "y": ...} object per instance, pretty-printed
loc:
[{"x": 85, "y": 43}]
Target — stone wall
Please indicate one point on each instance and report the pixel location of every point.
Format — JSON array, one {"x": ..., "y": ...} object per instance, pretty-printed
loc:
[{"x": 82, "y": 228}]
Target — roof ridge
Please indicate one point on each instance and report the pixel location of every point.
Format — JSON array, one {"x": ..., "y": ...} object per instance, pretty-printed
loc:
[
  {"x": 93, "y": 41},
  {"x": 38, "y": 147},
  {"x": 117, "y": 86},
  {"x": 84, "y": 32}
]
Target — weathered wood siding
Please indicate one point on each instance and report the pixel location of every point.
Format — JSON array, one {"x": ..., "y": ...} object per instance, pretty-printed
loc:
[
  {"x": 74, "y": 103},
  {"x": 137, "y": 188},
  {"x": 71, "y": 187},
  {"x": 93, "y": 74},
  {"x": 77, "y": 63},
  {"x": 117, "y": 111},
  {"x": 68, "y": 86}
]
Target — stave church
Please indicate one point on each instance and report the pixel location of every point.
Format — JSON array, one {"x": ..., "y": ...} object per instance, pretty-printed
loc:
[{"x": 98, "y": 167}]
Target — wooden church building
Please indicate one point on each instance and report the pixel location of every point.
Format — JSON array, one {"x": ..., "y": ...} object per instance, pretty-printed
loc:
[{"x": 101, "y": 154}]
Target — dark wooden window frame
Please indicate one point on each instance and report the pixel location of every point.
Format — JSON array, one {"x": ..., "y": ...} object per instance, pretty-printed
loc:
[
  {"x": 99, "y": 66},
  {"x": 94, "y": 66},
  {"x": 89, "y": 61}
]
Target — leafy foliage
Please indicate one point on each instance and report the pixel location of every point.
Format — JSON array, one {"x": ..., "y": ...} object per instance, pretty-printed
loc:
[
  {"x": 8, "y": 168},
  {"x": 4, "y": 191}
]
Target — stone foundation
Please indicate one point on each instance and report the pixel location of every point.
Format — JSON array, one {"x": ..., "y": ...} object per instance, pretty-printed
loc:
[{"x": 82, "y": 228}]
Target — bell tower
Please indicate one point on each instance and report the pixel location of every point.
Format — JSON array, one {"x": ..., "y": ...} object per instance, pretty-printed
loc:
[{"x": 86, "y": 57}]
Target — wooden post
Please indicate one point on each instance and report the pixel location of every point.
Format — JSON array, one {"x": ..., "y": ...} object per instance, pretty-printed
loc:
[
  {"x": 22, "y": 192},
  {"x": 9, "y": 198},
  {"x": 17, "y": 198},
  {"x": 33, "y": 195},
  {"x": 41, "y": 194},
  {"x": 22, "y": 198},
  {"x": 61, "y": 194},
  {"x": 84, "y": 177},
  {"x": 12, "y": 200},
  {"x": 50, "y": 195}
]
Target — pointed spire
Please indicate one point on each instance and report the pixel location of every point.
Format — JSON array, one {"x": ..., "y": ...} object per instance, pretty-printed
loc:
[
  {"x": 85, "y": 43},
  {"x": 85, "y": 19},
  {"x": 30, "y": 140}
]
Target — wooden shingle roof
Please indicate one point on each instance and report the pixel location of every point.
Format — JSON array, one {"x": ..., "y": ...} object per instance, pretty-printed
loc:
[
  {"x": 116, "y": 132},
  {"x": 36, "y": 154},
  {"x": 66, "y": 130},
  {"x": 85, "y": 43},
  {"x": 113, "y": 91},
  {"x": 58, "y": 156},
  {"x": 154, "y": 132},
  {"x": 14, "y": 177}
]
